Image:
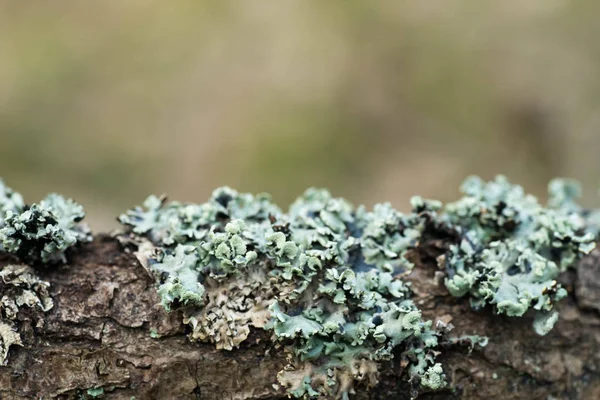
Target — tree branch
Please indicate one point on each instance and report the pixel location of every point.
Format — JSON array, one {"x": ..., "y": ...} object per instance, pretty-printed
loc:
[{"x": 107, "y": 336}]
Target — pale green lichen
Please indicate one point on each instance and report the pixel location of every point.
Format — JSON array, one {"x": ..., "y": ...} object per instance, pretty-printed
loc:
[
  {"x": 325, "y": 278},
  {"x": 19, "y": 287},
  {"x": 434, "y": 378},
  {"x": 40, "y": 232},
  {"x": 225, "y": 253},
  {"x": 154, "y": 334},
  {"x": 512, "y": 248},
  {"x": 179, "y": 277},
  {"x": 352, "y": 318},
  {"x": 173, "y": 223},
  {"x": 387, "y": 237},
  {"x": 471, "y": 341},
  {"x": 9, "y": 201},
  {"x": 544, "y": 323},
  {"x": 95, "y": 392},
  {"x": 563, "y": 195}
]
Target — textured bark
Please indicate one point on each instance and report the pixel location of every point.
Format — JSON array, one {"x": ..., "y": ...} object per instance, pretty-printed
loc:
[{"x": 99, "y": 335}]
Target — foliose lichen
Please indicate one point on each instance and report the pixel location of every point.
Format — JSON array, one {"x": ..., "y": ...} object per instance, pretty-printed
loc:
[
  {"x": 40, "y": 232},
  {"x": 512, "y": 248},
  {"x": 95, "y": 392},
  {"x": 9, "y": 201},
  {"x": 563, "y": 194},
  {"x": 326, "y": 278},
  {"x": 34, "y": 233}
]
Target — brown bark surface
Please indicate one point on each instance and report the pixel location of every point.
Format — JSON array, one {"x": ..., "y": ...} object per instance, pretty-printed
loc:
[{"x": 99, "y": 335}]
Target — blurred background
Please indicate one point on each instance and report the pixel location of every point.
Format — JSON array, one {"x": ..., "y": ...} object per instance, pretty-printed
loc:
[{"x": 110, "y": 101}]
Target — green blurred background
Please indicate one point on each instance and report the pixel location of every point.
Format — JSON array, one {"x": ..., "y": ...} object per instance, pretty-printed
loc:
[{"x": 110, "y": 101}]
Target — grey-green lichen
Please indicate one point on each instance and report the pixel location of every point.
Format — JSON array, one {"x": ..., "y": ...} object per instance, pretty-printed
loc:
[
  {"x": 325, "y": 278},
  {"x": 9, "y": 201},
  {"x": 512, "y": 248},
  {"x": 34, "y": 233},
  {"x": 19, "y": 287},
  {"x": 95, "y": 392},
  {"x": 40, "y": 232},
  {"x": 563, "y": 195},
  {"x": 471, "y": 341}
]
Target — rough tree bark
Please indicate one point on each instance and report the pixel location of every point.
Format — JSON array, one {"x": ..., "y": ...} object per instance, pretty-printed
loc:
[{"x": 98, "y": 335}]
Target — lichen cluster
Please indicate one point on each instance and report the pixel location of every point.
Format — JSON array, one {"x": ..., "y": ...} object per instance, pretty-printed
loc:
[
  {"x": 40, "y": 232},
  {"x": 563, "y": 195},
  {"x": 512, "y": 248},
  {"x": 37, "y": 233},
  {"x": 323, "y": 278},
  {"x": 326, "y": 278}
]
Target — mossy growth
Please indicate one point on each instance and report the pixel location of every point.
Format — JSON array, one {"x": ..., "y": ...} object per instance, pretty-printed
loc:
[{"x": 326, "y": 278}]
